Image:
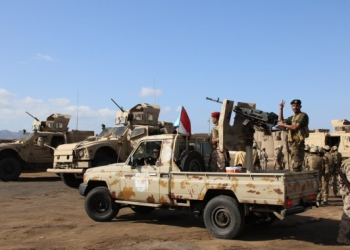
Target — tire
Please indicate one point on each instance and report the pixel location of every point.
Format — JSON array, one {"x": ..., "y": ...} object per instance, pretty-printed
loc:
[
  {"x": 142, "y": 209},
  {"x": 10, "y": 169},
  {"x": 101, "y": 161},
  {"x": 70, "y": 180},
  {"x": 100, "y": 206},
  {"x": 192, "y": 162},
  {"x": 223, "y": 218}
]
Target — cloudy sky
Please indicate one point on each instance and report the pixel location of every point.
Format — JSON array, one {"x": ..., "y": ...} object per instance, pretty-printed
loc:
[{"x": 72, "y": 57}]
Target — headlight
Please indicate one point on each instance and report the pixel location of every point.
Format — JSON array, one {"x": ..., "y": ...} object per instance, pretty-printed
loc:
[{"x": 81, "y": 153}]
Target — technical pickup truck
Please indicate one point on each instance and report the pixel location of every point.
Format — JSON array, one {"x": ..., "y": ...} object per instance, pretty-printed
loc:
[{"x": 179, "y": 180}]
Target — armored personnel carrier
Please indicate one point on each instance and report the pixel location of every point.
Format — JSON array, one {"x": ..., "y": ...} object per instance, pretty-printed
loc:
[
  {"x": 34, "y": 151},
  {"x": 113, "y": 144}
]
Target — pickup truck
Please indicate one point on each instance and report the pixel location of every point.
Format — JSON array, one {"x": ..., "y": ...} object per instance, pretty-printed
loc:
[{"x": 179, "y": 180}]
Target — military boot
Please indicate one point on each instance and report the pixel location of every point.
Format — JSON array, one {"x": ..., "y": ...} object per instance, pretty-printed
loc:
[{"x": 342, "y": 239}]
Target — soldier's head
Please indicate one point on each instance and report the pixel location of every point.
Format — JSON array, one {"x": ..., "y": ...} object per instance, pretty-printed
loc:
[
  {"x": 155, "y": 153},
  {"x": 321, "y": 152},
  {"x": 215, "y": 117},
  {"x": 313, "y": 150},
  {"x": 327, "y": 148},
  {"x": 334, "y": 148},
  {"x": 296, "y": 105}
]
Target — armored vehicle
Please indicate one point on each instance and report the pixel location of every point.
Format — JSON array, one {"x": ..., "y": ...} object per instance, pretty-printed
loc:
[
  {"x": 225, "y": 200},
  {"x": 113, "y": 144},
  {"x": 35, "y": 150}
]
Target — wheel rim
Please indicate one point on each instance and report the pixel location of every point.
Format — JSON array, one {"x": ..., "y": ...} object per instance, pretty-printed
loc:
[
  {"x": 101, "y": 205},
  {"x": 221, "y": 217}
]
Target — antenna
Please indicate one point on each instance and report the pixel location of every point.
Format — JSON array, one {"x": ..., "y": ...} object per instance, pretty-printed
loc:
[{"x": 77, "y": 110}]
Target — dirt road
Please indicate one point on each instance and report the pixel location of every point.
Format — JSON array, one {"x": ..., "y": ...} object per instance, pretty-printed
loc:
[{"x": 40, "y": 212}]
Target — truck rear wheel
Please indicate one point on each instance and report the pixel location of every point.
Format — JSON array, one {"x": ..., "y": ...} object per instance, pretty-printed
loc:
[
  {"x": 71, "y": 180},
  {"x": 100, "y": 206},
  {"x": 223, "y": 217},
  {"x": 10, "y": 169},
  {"x": 192, "y": 162}
]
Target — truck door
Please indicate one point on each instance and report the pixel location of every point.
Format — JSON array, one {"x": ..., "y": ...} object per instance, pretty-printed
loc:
[
  {"x": 40, "y": 153},
  {"x": 140, "y": 180}
]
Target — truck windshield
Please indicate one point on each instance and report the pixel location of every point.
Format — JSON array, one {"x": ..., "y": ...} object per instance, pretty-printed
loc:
[
  {"x": 26, "y": 137},
  {"x": 105, "y": 132},
  {"x": 119, "y": 131}
]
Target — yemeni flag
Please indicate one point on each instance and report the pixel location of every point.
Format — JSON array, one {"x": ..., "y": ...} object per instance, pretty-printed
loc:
[{"x": 183, "y": 123}]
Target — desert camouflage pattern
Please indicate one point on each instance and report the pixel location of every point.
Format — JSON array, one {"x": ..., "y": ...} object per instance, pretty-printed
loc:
[{"x": 344, "y": 226}]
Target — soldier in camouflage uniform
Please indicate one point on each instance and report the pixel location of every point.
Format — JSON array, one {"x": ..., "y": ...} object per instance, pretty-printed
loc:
[
  {"x": 217, "y": 158},
  {"x": 279, "y": 157},
  {"x": 337, "y": 156},
  {"x": 264, "y": 157},
  {"x": 256, "y": 157},
  {"x": 306, "y": 154},
  {"x": 344, "y": 226},
  {"x": 316, "y": 163},
  {"x": 297, "y": 127},
  {"x": 324, "y": 177}
]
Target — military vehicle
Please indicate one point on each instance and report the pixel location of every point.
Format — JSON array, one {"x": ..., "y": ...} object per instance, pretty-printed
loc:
[
  {"x": 35, "y": 150},
  {"x": 225, "y": 200},
  {"x": 340, "y": 137},
  {"x": 113, "y": 144}
]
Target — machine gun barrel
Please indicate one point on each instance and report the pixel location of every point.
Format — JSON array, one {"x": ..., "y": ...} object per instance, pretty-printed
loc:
[
  {"x": 32, "y": 116},
  {"x": 121, "y": 108},
  {"x": 262, "y": 120}
]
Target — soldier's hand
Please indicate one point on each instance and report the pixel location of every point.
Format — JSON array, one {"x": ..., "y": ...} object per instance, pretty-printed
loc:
[{"x": 282, "y": 104}]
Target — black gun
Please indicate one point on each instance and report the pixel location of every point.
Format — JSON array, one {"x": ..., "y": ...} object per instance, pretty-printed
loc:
[
  {"x": 263, "y": 121},
  {"x": 32, "y": 116},
  {"x": 121, "y": 108}
]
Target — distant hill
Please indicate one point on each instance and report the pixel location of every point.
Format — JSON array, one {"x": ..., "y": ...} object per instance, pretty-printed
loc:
[{"x": 5, "y": 134}]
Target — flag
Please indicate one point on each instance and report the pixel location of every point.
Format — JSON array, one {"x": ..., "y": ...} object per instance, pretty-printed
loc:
[{"x": 183, "y": 123}]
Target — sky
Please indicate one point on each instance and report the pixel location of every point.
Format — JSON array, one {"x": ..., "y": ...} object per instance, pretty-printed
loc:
[{"x": 74, "y": 56}]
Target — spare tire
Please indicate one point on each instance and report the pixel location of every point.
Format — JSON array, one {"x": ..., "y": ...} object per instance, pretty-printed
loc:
[{"x": 192, "y": 162}]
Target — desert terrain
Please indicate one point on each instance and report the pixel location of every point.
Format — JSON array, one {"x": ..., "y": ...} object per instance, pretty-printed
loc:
[{"x": 40, "y": 212}]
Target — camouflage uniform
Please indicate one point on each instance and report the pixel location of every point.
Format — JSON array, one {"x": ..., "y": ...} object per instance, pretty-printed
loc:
[
  {"x": 344, "y": 226},
  {"x": 316, "y": 163},
  {"x": 325, "y": 178},
  {"x": 278, "y": 159},
  {"x": 337, "y": 163},
  {"x": 217, "y": 158},
  {"x": 264, "y": 157},
  {"x": 256, "y": 158},
  {"x": 296, "y": 139}
]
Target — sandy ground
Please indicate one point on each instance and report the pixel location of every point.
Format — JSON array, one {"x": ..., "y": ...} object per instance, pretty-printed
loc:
[{"x": 40, "y": 212}]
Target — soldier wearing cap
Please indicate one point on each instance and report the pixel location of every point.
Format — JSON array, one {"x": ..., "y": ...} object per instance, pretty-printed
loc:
[
  {"x": 297, "y": 127},
  {"x": 264, "y": 157},
  {"x": 324, "y": 176},
  {"x": 218, "y": 159}
]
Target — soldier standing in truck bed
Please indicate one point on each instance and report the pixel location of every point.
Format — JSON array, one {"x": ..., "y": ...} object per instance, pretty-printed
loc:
[
  {"x": 297, "y": 127},
  {"x": 217, "y": 158}
]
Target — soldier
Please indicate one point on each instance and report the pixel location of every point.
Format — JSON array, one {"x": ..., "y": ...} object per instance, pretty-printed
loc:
[
  {"x": 324, "y": 177},
  {"x": 317, "y": 163},
  {"x": 337, "y": 156},
  {"x": 279, "y": 157},
  {"x": 256, "y": 157},
  {"x": 306, "y": 151},
  {"x": 264, "y": 157},
  {"x": 217, "y": 158},
  {"x": 344, "y": 226},
  {"x": 331, "y": 163},
  {"x": 297, "y": 127}
]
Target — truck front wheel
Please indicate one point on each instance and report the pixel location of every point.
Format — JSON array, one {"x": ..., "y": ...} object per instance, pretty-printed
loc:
[
  {"x": 100, "y": 206},
  {"x": 10, "y": 169},
  {"x": 223, "y": 217}
]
